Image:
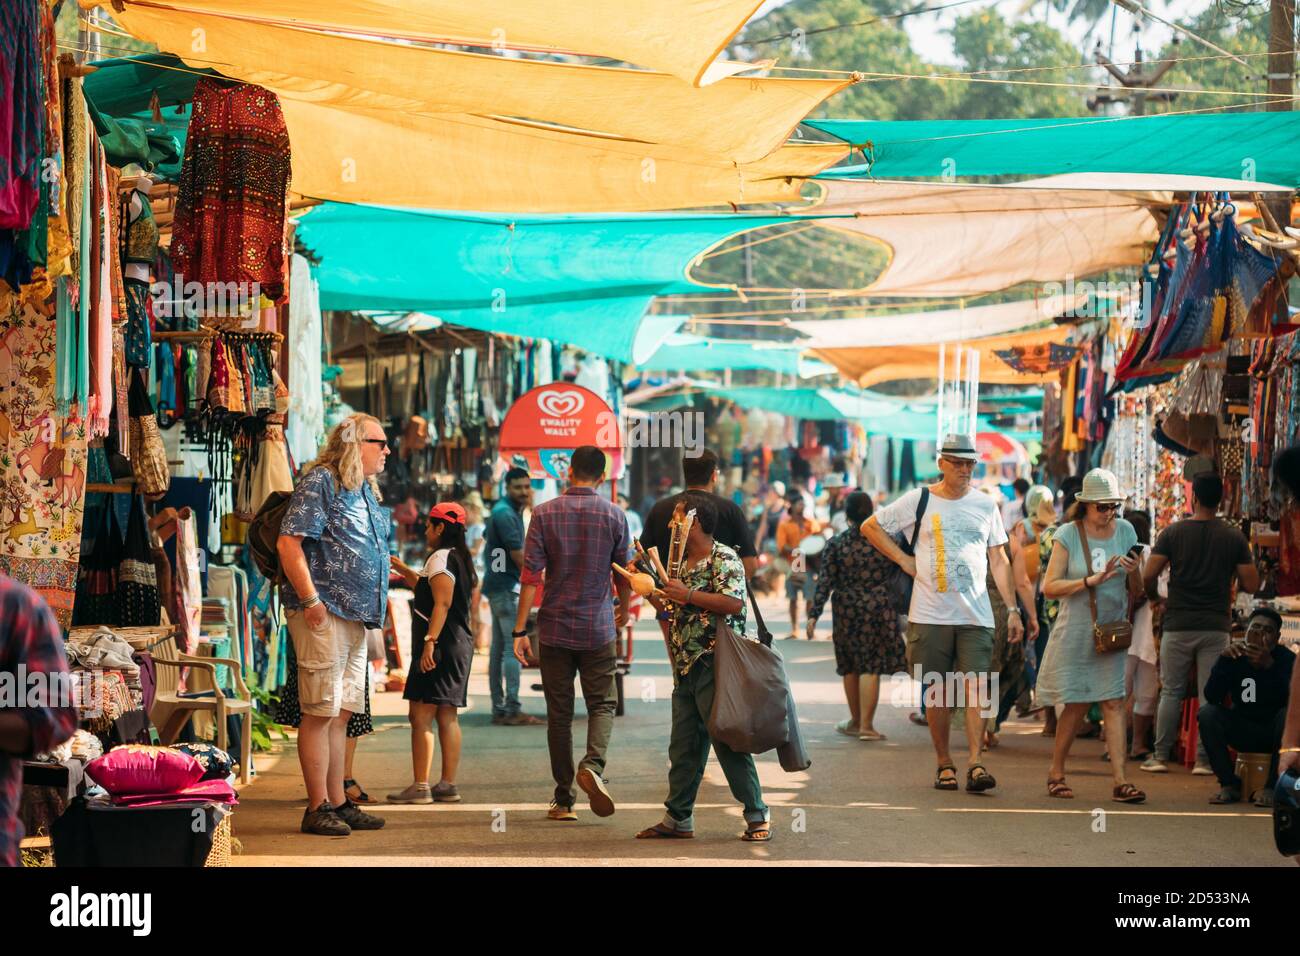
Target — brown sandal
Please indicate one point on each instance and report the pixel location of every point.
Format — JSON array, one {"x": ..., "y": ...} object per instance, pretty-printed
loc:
[
  {"x": 1059, "y": 788},
  {"x": 759, "y": 832},
  {"x": 661, "y": 832},
  {"x": 1127, "y": 793}
]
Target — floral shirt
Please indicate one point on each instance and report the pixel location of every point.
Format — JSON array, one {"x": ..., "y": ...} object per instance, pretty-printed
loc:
[
  {"x": 693, "y": 628},
  {"x": 345, "y": 540}
]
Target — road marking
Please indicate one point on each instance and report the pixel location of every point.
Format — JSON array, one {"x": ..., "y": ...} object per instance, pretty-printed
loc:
[{"x": 1135, "y": 813}]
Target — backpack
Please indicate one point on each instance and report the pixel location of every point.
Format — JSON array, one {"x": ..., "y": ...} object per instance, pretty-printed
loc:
[{"x": 264, "y": 533}]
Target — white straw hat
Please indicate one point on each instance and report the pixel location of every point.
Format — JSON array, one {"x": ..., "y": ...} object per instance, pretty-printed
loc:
[{"x": 1100, "y": 485}]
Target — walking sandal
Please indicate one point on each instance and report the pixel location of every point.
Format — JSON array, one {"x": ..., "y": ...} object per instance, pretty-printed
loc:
[
  {"x": 661, "y": 832},
  {"x": 1127, "y": 793},
  {"x": 759, "y": 832},
  {"x": 1059, "y": 788},
  {"x": 978, "y": 779},
  {"x": 946, "y": 783}
]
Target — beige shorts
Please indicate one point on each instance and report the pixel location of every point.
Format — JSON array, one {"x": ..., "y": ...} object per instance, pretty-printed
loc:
[{"x": 331, "y": 665}]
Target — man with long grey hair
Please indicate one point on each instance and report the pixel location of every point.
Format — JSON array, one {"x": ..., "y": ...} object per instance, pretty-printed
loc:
[{"x": 333, "y": 549}]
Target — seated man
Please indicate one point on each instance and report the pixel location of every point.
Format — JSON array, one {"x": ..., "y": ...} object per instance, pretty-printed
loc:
[{"x": 1256, "y": 675}]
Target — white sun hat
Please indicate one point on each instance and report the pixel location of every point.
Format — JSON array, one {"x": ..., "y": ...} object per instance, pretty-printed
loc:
[{"x": 1100, "y": 485}]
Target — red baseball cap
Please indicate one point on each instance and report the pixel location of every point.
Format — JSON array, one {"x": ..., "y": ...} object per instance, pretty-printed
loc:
[{"x": 450, "y": 512}]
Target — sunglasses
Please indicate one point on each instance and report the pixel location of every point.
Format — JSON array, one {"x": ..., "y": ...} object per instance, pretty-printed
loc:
[
  {"x": 958, "y": 462},
  {"x": 1107, "y": 507},
  {"x": 375, "y": 441}
]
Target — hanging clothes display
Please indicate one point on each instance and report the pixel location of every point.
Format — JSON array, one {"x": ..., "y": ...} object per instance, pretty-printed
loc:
[
  {"x": 229, "y": 221},
  {"x": 305, "y": 428},
  {"x": 43, "y": 470},
  {"x": 137, "y": 600},
  {"x": 22, "y": 136}
]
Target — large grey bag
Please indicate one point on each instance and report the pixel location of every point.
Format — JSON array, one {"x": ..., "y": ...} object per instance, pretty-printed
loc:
[
  {"x": 751, "y": 697},
  {"x": 792, "y": 754}
]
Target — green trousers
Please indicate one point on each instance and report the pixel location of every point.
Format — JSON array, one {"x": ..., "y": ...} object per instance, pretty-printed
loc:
[{"x": 688, "y": 752}]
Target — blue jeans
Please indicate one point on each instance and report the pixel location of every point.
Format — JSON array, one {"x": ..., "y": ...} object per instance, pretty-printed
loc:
[{"x": 501, "y": 656}]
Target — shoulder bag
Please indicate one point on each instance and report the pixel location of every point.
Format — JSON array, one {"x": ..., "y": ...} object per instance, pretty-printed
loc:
[
  {"x": 900, "y": 583},
  {"x": 1111, "y": 636}
]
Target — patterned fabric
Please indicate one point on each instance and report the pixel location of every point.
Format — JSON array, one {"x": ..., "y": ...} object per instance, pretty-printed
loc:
[
  {"x": 216, "y": 763},
  {"x": 137, "y": 580},
  {"x": 865, "y": 628},
  {"x": 42, "y": 459},
  {"x": 1051, "y": 606},
  {"x": 141, "y": 233},
  {"x": 21, "y": 113},
  {"x": 138, "y": 335},
  {"x": 693, "y": 629},
  {"x": 575, "y": 538},
  {"x": 1038, "y": 359},
  {"x": 29, "y": 638},
  {"x": 229, "y": 223},
  {"x": 346, "y": 543}
]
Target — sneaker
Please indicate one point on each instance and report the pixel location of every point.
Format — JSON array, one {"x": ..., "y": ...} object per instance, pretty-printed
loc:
[
  {"x": 446, "y": 793},
  {"x": 1202, "y": 770},
  {"x": 324, "y": 821},
  {"x": 602, "y": 804},
  {"x": 358, "y": 819},
  {"x": 557, "y": 812},
  {"x": 1154, "y": 764},
  {"x": 412, "y": 794}
]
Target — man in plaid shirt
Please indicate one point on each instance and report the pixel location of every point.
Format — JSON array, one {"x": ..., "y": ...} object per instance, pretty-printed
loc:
[
  {"x": 575, "y": 538},
  {"x": 30, "y": 643}
]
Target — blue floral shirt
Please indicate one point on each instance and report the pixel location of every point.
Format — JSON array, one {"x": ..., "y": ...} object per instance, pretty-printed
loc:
[{"x": 345, "y": 539}]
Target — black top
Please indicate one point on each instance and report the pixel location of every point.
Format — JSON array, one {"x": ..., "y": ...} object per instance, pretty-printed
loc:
[
  {"x": 1269, "y": 688},
  {"x": 457, "y": 614},
  {"x": 1203, "y": 557},
  {"x": 732, "y": 530}
]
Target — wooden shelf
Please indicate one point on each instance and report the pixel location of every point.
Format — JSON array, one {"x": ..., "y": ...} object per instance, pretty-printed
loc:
[{"x": 117, "y": 488}]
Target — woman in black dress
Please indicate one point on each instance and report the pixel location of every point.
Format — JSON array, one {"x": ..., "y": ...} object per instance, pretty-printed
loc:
[
  {"x": 442, "y": 649},
  {"x": 867, "y": 636}
]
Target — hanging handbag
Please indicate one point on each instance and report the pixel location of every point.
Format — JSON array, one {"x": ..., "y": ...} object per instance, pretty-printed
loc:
[
  {"x": 137, "y": 578},
  {"x": 1111, "y": 636},
  {"x": 148, "y": 456},
  {"x": 900, "y": 582}
]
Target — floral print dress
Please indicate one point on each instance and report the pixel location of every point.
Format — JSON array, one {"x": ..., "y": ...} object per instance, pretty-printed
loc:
[{"x": 855, "y": 578}]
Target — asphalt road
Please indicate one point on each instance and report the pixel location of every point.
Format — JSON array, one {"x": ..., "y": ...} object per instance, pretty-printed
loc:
[{"x": 859, "y": 803}]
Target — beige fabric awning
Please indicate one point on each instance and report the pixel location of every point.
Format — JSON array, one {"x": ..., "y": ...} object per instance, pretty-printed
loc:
[
  {"x": 681, "y": 37},
  {"x": 455, "y": 161},
  {"x": 737, "y": 119},
  {"x": 871, "y": 366},
  {"x": 944, "y": 325},
  {"x": 950, "y": 239}
]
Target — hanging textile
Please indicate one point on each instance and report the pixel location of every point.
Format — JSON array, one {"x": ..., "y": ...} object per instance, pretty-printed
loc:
[
  {"x": 42, "y": 473},
  {"x": 96, "y": 597},
  {"x": 305, "y": 428},
  {"x": 136, "y": 593},
  {"x": 1038, "y": 359},
  {"x": 21, "y": 113},
  {"x": 189, "y": 588},
  {"x": 229, "y": 221}
]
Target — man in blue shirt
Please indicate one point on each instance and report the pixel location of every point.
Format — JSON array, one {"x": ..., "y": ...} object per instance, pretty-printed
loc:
[
  {"x": 503, "y": 557},
  {"x": 333, "y": 550}
]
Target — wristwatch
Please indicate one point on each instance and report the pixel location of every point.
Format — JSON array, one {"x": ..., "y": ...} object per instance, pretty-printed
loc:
[{"x": 523, "y": 633}]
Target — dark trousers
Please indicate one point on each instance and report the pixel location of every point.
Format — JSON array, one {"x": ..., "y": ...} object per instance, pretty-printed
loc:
[
  {"x": 1222, "y": 727},
  {"x": 595, "y": 668},
  {"x": 688, "y": 752}
]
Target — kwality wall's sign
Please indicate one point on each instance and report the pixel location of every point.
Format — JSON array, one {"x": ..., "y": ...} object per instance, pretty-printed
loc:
[{"x": 545, "y": 425}]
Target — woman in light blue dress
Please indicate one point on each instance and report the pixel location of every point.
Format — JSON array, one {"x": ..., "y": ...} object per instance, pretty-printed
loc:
[{"x": 1072, "y": 673}]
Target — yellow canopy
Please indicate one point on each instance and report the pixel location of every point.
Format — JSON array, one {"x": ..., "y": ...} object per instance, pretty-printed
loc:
[
  {"x": 681, "y": 37},
  {"x": 871, "y": 366},
  {"x": 455, "y": 161},
  {"x": 740, "y": 119}
]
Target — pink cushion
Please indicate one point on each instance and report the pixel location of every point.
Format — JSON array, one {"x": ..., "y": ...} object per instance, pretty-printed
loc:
[{"x": 134, "y": 768}]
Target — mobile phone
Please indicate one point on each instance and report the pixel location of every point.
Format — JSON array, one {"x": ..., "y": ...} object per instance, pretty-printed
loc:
[{"x": 1135, "y": 551}]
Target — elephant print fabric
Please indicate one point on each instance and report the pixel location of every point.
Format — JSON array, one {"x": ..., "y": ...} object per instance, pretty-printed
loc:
[
  {"x": 952, "y": 554},
  {"x": 42, "y": 459}
]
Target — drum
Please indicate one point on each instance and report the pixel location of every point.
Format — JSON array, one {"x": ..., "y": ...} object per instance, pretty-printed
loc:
[{"x": 812, "y": 545}]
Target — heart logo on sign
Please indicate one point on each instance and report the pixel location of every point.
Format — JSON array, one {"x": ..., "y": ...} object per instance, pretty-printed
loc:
[{"x": 561, "y": 404}]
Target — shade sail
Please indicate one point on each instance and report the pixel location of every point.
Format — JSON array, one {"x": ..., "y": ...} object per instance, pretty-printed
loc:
[
  {"x": 950, "y": 239},
  {"x": 681, "y": 37},
  {"x": 872, "y": 366},
  {"x": 456, "y": 161},
  {"x": 818, "y": 404},
  {"x": 741, "y": 119},
  {"x": 697, "y": 353},
  {"x": 1260, "y": 146},
  {"x": 584, "y": 280},
  {"x": 947, "y": 325}
]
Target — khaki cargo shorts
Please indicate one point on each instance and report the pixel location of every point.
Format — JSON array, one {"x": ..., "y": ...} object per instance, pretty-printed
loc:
[
  {"x": 942, "y": 649},
  {"x": 331, "y": 665}
]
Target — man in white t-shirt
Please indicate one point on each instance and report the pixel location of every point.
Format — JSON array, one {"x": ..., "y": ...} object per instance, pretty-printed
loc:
[{"x": 950, "y": 623}]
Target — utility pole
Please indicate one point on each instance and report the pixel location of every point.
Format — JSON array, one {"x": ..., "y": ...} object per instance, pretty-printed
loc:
[
  {"x": 1135, "y": 81},
  {"x": 1281, "y": 77}
]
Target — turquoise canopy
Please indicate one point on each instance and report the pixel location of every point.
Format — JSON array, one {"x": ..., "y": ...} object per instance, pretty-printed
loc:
[
  {"x": 583, "y": 280},
  {"x": 1260, "y": 146},
  {"x": 696, "y": 353}
]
